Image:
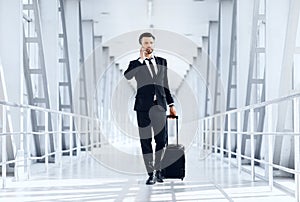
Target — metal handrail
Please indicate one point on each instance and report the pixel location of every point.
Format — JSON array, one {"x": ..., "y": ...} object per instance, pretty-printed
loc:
[
  {"x": 25, "y": 110},
  {"x": 208, "y": 131},
  {"x": 257, "y": 133},
  {"x": 12, "y": 104},
  {"x": 43, "y": 133},
  {"x": 258, "y": 105}
]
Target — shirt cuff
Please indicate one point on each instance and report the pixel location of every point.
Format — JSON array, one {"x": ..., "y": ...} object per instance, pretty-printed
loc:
[{"x": 171, "y": 104}]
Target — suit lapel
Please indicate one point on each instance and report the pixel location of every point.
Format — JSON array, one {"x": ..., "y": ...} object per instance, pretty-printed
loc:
[{"x": 158, "y": 64}]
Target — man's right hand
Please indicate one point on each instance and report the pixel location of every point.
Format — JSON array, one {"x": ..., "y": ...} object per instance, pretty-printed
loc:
[{"x": 142, "y": 53}]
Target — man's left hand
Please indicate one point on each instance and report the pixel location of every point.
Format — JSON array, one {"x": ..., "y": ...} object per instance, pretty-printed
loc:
[{"x": 172, "y": 111}]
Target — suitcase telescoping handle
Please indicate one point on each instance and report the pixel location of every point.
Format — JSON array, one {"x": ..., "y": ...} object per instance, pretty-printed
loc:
[{"x": 173, "y": 117}]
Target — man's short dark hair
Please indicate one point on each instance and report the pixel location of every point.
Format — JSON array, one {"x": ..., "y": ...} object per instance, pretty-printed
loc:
[{"x": 145, "y": 34}]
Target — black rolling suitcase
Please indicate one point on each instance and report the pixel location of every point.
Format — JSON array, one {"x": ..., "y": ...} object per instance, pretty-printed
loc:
[{"x": 173, "y": 161}]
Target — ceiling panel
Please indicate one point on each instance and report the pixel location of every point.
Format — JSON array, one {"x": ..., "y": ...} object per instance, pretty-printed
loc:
[{"x": 115, "y": 17}]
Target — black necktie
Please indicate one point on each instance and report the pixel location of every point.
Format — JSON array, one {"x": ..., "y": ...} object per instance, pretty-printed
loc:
[{"x": 152, "y": 68}]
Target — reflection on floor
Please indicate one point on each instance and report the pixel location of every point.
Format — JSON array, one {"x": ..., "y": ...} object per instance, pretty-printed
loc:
[{"x": 85, "y": 179}]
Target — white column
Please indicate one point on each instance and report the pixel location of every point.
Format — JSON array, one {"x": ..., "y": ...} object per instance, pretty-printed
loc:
[
  {"x": 11, "y": 49},
  {"x": 213, "y": 47},
  {"x": 72, "y": 26},
  {"x": 98, "y": 53},
  {"x": 225, "y": 45},
  {"x": 98, "y": 66},
  {"x": 104, "y": 81},
  {"x": 11, "y": 55},
  {"x": 203, "y": 69},
  {"x": 88, "y": 37},
  {"x": 244, "y": 25},
  {"x": 88, "y": 40},
  {"x": 276, "y": 49},
  {"x": 275, "y": 39},
  {"x": 49, "y": 26},
  {"x": 226, "y": 24}
]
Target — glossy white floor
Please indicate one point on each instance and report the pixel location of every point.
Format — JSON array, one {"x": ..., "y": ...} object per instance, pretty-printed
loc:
[{"x": 85, "y": 179}]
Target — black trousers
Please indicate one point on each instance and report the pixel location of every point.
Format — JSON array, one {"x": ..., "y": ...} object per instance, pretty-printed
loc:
[{"x": 154, "y": 119}]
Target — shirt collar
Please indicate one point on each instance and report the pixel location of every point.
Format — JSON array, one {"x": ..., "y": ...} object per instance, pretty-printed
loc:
[{"x": 152, "y": 56}]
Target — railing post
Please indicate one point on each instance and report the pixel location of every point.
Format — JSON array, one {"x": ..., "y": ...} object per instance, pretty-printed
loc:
[
  {"x": 22, "y": 129},
  {"x": 90, "y": 129},
  {"x": 71, "y": 135},
  {"x": 196, "y": 140},
  {"x": 252, "y": 143},
  {"x": 78, "y": 142},
  {"x": 229, "y": 138},
  {"x": 222, "y": 137},
  {"x": 216, "y": 135},
  {"x": 202, "y": 135},
  {"x": 87, "y": 135},
  {"x": 210, "y": 134},
  {"x": 59, "y": 140},
  {"x": 92, "y": 135},
  {"x": 206, "y": 134},
  {"x": 28, "y": 151},
  {"x": 4, "y": 152},
  {"x": 270, "y": 145},
  {"x": 297, "y": 147},
  {"x": 99, "y": 133},
  {"x": 19, "y": 170},
  {"x": 46, "y": 140},
  {"x": 239, "y": 141},
  {"x": 26, "y": 143},
  {"x": 81, "y": 138}
]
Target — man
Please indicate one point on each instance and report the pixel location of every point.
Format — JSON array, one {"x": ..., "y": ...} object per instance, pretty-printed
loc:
[{"x": 150, "y": 73}]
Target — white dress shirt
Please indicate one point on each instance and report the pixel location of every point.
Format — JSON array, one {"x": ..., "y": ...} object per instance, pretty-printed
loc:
[{"x": 147, "y": 63}]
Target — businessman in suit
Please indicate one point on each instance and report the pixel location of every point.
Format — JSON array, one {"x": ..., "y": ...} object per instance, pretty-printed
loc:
[{"x": 153, "y": 94}]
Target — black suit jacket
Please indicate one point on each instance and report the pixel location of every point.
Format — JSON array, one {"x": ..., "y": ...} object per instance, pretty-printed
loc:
[{"x": 147, "y": 86}]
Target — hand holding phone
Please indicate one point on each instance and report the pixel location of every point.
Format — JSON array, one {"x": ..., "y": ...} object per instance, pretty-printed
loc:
[{"x": 142, "y": 53}]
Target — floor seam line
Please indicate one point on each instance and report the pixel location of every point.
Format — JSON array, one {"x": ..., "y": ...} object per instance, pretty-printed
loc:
[{"x": 222, "y": 191}]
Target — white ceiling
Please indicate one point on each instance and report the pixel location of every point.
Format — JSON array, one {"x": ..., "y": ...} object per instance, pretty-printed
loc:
[
  {"x": 177, "y": 24},
  {"x": 186, "y": 17}
]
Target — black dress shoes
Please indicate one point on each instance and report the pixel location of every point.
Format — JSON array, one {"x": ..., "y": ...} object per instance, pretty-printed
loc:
[
  {"x": 150, "y": 180},
  {"x": 159, "y": 177}
]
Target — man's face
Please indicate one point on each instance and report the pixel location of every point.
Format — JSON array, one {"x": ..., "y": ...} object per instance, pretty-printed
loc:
[{"x": 148, "y": 44}]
